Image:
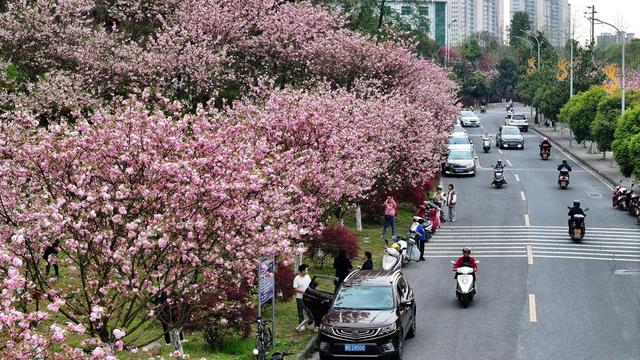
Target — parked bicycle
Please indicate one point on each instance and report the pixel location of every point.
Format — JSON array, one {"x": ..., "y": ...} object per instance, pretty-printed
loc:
[{"x": 264, "y": 338}]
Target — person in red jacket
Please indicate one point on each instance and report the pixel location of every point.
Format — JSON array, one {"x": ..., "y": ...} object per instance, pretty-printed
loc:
[{"x": 466, "y": 260}]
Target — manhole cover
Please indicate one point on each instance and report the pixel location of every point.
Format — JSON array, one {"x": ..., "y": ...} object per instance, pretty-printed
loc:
[
  {"x": 627, "y": 272},
  {"x": 594, "y": 195}
]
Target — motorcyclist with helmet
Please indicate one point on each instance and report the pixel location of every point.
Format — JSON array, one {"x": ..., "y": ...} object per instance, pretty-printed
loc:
[
  {"x": 575, "y": 210},
  {"x": 499, "y": 167},
  {"x": 544, "y": 142},
  {"x": 564, "y": 167},
  {"x": 466, "y": 260}
]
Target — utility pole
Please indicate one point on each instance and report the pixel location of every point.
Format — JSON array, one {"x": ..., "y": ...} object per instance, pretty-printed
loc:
[{"x": 592, "y": 19}]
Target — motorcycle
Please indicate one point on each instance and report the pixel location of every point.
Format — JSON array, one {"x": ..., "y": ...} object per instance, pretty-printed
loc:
[
  {"x": 563, "y": 179},
  {"x": 545, "y": 151},
  {"x": 465, "y": 284},
  {"x": 498, "y": 177},
  {"x": 483, "y": 109},
  {"x": 634, "y": 202},
  {"x": 409, "y": 249},
  {"x": 576, "y": 226},
  {"x": 626, "y": 200},
  {"x": 427, "y": 225},
  {"x": 615, "y": 193},
  {"x": 486, "y": 144}
]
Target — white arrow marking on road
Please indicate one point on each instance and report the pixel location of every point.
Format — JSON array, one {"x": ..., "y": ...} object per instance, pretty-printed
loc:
[
  {"x": 533, "y": 317},
  {"x": 522, "y": 196},
  {"x": 526, "y": 219},
  {"x": 529, "y": 255},
  {"x": 517, "y": 177}
]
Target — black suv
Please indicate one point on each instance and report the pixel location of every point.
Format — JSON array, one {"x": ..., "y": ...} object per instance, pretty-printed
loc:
[{"x": 369, "y": 316}]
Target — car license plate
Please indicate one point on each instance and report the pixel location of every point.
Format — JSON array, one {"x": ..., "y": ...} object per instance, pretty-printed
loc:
[
  {"x": 354, "y": 347},
  {"x": 459, "y": 170}
]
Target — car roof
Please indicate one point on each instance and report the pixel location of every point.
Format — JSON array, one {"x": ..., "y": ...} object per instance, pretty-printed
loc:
[{"x": 371, "y": 277}]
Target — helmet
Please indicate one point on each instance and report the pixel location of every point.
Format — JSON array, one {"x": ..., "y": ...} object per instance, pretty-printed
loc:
[
  {"x": 439, "y": 187},
  {"x": 395, "y": 246},
  {"x": 466, "y": 250},
  {"x": 564, "y": 161},
  {"x": 576, "y": 203},
  {"x": 544, "y": 139},
  {"x": 499, "y": 161}
]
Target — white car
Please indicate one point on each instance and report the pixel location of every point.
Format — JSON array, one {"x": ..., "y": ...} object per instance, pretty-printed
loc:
[
  {"x": 460, "y": 142},
  {"x": 518, "y": 120},
  {"x": 469, "y": 118}
]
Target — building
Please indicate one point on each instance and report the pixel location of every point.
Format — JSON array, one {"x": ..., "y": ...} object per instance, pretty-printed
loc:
[
  {"x": 429, "y": 16},
  {"x": 547, "y": 16},
  {"x": 473, "y": 16},
  {"x": 606, "y": 39}
]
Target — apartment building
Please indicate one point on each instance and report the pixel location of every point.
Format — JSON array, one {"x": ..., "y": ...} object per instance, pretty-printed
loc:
[
  {"x": 547, "y": 16},
  {"x": 433, "y": 11}
]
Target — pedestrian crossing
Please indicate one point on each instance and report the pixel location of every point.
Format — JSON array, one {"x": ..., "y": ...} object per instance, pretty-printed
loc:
[{"x": 612, "y": 244}]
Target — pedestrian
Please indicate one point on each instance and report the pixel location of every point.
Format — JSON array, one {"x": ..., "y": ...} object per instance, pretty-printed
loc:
[
  {"x": 421, "y": 238},
  {"x": 368, "y": 264},
  {"x": 343, "y": 266},
  {"x": 51, "y": 251},
  {"x": 452, "y": 199},
  {"x": 440, "y": 199},
  {"x": 390, "y": 207},
  {"x": 300, "y": 284}
]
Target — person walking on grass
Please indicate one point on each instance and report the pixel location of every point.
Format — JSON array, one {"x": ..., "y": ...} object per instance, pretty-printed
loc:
[
  {"x": 50, "y": 255},
  {"x": 452, "y": 199},
  {"x": 343, "y": 266},
  {"x": 368, "y": 264},
  {"x": 300, "y": 284},
  {"x": 390, "y": 207}
]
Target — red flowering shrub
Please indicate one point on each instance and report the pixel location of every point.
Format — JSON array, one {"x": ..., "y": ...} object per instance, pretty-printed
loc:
[
  {"x": 284, "y": 281},
  {"x": 331, "y": 240}
]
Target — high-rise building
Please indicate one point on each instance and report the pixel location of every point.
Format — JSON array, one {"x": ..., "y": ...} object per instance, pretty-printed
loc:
[
  {"x": 547, "y": 16},
  {"x": 431, "y": 13},
  {"x": 605, "y": 39},
  {"x": 473, "y": 16}
]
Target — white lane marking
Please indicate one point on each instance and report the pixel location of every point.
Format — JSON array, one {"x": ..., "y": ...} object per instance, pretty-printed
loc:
[
  {"x": 543, "y": 249},
  {"x": 534, "y": 226},
  {"x": 595, "y": 175},
  {"x": 509, "y": 163},
  {"x": 533, "y": 316},
  {"x": 529, "y": 255},
  {"x": 526, "y": 219},
  {"x": 536, "y": 243},
  {"x": 522, "y": 196},
  {"x": 500, "y": 151},
  {"x": 585, "y": 258},
  {"x": 456, "y": 255},
  {"x": 517, "y": 177},
  {"x": 581, "y": 253}
]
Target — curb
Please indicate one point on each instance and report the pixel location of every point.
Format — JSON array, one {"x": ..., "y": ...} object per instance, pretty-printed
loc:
[
  {"x": 307, "y": 349},
  {"x": 576, "y": 158}
]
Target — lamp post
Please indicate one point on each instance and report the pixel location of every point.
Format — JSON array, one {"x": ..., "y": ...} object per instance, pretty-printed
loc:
[
  {"x": 446, "y": 56},
  {"x": 538, "y": 42},
  {"x": 621, "y": 35}
]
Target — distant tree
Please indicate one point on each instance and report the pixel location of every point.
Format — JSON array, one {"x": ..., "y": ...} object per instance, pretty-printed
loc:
[
  {"x": 604, "y": 124},
  {"x": 503, "y": 86},
  {"x": 626, "y": 146},
  {"x": 520, "y": 24}
]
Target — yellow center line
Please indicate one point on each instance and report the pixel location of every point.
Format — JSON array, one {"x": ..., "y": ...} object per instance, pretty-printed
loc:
[
  {"x": 529, "y": 255},
  {"x": 533, "y": 317}
]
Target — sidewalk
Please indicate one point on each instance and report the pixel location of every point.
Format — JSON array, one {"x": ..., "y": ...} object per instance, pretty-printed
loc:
[{"x": 606, "y": 168}]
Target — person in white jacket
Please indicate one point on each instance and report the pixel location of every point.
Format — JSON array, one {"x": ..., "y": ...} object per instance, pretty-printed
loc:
[{"x": 452, "y": 199}]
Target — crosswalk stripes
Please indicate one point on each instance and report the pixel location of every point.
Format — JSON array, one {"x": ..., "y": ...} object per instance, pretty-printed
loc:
[{"x": 618, "y": 244}]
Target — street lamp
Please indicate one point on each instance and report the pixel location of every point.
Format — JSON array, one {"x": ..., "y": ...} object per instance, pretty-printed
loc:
[
  {"x": 621, "y": 35},
  {"x": 538, "y": 42},
  {"x": 446, "y": 56}
]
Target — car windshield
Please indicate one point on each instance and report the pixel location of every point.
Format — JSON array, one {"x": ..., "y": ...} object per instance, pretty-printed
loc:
[
  {"x": 519, "y": 117},
  {"x": 458, "y": 129},
  {"x": 458, "y": 141},
  {"x": 460, "y": 155},
  {"x": 467, "y": 114},
  {"x": 364, "y": 298},
  {"x": 510, "y": 131}
]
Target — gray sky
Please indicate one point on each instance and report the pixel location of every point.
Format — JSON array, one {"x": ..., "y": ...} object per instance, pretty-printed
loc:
[{"x": 622, "y": 13}]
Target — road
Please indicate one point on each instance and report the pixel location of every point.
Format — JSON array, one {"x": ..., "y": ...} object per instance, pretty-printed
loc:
[{"x": 540, "y": 296}]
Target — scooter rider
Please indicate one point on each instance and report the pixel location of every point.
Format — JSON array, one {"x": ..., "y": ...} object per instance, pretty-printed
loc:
[
  {"x": 543, "y": 143},
  {"x": 466, "y": 260},
  {"x": 564, "y": 166},
  {"x": 499, "y": 165},
  {"x": 575, "y": 210},
  {"x": 486, "y": 136}
]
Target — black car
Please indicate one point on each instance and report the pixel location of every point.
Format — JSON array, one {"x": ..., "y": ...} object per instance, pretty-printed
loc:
[
  {"x": 370, "y": 316},
  {"x": 509, "y": 137}
]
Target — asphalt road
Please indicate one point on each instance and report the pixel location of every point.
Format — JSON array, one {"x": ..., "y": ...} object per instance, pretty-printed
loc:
[{"x": 587, "y": 296}]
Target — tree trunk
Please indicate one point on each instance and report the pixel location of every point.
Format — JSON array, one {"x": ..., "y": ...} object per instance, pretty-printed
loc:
[
  {"x": 381, "y": 17},
  {"x": 358, "y": 218},
  {"x": 174, "y": 335}
]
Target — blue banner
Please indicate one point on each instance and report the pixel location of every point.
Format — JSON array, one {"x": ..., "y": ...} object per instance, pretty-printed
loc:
[{"x": 266, "y": 280}]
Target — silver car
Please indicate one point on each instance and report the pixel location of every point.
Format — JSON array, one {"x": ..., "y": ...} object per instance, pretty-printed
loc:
[
  {"x": 509, "y": 137},
  {"x": 460, "y": 162},
  {"x": 460, "y": 142}
]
